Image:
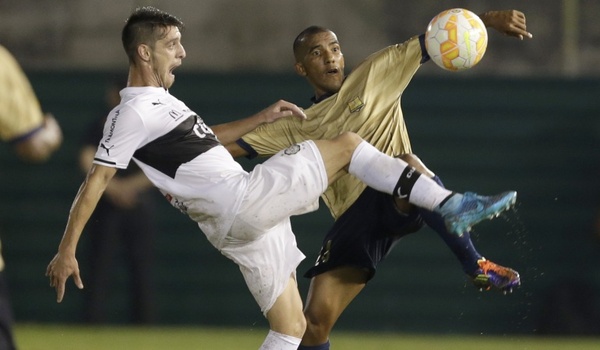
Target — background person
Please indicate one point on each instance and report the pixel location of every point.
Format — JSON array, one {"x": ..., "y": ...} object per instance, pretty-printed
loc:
[{"x": 122, "y": 230}]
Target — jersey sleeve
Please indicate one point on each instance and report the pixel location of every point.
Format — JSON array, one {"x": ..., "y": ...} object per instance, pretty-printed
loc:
[
  {"x": 268, "y": 139},
  {"x": 124, "y": 132},
  {"x": 390, "y": 69},
  {"x": 20, "y": 111}
]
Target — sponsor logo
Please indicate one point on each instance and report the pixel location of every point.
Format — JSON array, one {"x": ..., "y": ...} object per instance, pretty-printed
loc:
[
  {"x": 201, "y": 129},
  {"x": 157, "y": 103},
  {"x": 107, "y": 148},
  {"x": 113, "y": 124},
  {"x": 176, "y": 203}
]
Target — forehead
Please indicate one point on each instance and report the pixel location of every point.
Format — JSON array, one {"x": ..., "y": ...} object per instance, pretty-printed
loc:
[
  {"x": 170, "y": 33},
  {"x": 322, "y": 39}
]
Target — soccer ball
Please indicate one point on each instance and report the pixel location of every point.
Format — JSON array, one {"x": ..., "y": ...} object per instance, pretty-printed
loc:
[{"x": 456, "y": 39}]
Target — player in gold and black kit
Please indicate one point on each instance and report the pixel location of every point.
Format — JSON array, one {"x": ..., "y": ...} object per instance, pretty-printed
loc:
[
  {"x": 34, "y": 136},
  {"x": 368, "y": 223}
]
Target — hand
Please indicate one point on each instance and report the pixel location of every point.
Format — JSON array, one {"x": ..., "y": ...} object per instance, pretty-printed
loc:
[
  {"x": 39, "y": 147},
  {"x": 59, "y": 270},
  {"x": 282, "y": 109},
  {"x": 53, "y": 133},
  {"x": 509, "y": 22}
]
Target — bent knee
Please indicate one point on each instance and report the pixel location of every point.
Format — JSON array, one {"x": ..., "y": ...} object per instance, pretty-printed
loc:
[
  {"x": 414, "y": 161},
  {"x": 349, "y": 137},
  {"x": 318, "y": 322},
  {"x": 296, "y": 327},
  {"x": 347, "y": 142},
  {"x": 317, "y": 331}
]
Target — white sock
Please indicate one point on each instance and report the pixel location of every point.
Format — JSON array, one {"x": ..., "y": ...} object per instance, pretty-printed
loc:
[
  {"x": 382, "y": 173},
  {"x": 278, "y": 341}
]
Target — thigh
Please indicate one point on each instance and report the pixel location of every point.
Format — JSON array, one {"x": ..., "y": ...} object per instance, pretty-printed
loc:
[
  {"x": 337, "y": 153},
  {"x": 364, "y": 234},
  {"x": 289, "y": 183},
  {"x": 266, "y": 263},
  {"x": 331, "y": 292},
  {"x": 286, "y": 315}
]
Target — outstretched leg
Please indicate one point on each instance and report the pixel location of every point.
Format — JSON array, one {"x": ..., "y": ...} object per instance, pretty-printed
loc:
[
  {"x": 394, "y": 176},
  {"x": 484, "y": 273}
]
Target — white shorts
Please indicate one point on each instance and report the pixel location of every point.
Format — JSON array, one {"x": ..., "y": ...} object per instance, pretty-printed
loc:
[
  {"x": 267, "y": 263},
  {"x": 261, "y": 240}
]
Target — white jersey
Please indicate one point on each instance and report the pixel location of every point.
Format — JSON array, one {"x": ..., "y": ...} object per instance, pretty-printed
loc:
[{"x": 180, "y": 155}]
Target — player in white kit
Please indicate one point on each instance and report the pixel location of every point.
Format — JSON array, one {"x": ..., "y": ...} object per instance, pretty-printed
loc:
[{"x": 244, "y": 215}]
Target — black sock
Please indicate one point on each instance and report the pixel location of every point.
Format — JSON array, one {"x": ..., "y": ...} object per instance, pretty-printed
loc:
[
  {"x": 315, "y": 347},
  {"x": 461, "y": 246}
]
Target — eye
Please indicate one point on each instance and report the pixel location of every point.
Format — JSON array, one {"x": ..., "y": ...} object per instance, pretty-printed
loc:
[{"x": 171, "y": 45}]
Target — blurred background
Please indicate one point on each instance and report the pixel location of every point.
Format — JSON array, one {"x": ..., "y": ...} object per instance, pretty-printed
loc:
[{"x": 526, "y": 118}]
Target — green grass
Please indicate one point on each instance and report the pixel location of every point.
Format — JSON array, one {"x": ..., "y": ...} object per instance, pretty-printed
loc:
[{"x": 67, "y": 337}]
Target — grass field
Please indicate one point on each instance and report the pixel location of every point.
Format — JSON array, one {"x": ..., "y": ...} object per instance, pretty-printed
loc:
[{"x": 75, "y": 337}]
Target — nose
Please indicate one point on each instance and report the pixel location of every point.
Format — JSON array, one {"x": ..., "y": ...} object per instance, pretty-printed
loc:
[
  {"x": 181, "y": 51},
  {"x": 329, "y": 56}
]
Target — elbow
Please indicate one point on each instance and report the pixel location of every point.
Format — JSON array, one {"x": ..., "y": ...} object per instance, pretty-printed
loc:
[{"x": 235, "y": 150}]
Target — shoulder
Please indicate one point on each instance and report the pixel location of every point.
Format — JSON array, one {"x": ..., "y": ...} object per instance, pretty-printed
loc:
[
  {"x": 413, "y": 45},
  {"x": 7, "y": 60}
]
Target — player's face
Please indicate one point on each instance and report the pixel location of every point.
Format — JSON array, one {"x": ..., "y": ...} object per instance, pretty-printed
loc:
[
  {"x": 167, "y": 55},
  {"x": 322, "y": 63}
]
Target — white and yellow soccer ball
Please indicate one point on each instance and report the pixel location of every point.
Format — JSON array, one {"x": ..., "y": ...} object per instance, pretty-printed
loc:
[{"x": 456, "y": 39}]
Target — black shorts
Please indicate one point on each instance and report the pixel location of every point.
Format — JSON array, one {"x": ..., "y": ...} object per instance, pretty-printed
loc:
[{"x": 365, "y": 234}]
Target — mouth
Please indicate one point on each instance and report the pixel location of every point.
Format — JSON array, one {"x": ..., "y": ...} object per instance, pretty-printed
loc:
[
  {"x": 173, "y": 68},
  {"x": 332, "y": 71}
]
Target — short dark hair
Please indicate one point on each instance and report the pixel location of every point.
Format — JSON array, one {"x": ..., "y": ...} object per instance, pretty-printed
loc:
[
  {"x": 146, "y": 25},
  {"x": 310, "y": 31}
]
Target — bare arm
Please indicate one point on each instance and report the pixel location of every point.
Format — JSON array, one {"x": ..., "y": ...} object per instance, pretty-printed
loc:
[
  {"x": 509, "y": 22},
  {"x": 122, "y": 192},
  {"x": 228, "y": 133},
  {"x": 64, "y": 263},
  {"x": 235, "y": 150}
]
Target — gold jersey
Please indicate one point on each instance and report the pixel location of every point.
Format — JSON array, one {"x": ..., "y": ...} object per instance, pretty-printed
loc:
[
  {"x": 20, "y": 111},
  {"x": 368, "y": 104}
]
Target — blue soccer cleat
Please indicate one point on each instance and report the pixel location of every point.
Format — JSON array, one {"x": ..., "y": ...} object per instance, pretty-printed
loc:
[
  {"x": 490, "y": 275},
  {"x": 462, "y": 211}
]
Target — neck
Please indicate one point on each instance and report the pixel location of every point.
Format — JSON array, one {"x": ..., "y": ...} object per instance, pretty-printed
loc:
[{"x": 141, "y": 75}]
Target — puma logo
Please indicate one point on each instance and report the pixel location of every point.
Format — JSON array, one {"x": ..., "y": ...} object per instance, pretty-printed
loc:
[{"x": 107, "y": 148}]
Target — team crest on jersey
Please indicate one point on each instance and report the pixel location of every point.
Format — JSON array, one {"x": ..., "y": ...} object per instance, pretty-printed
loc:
[
  {"x": 292, "y": 150},
  {"x": 356, "y": 104}
]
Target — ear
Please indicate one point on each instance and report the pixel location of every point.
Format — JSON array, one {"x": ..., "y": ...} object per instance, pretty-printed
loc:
[
  {"x": 143, "y": 51},
  {"x": 299, "y": 68}
]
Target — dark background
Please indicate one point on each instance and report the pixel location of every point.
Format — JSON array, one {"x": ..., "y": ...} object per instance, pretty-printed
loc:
[{"x": 538, "y": 136}]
